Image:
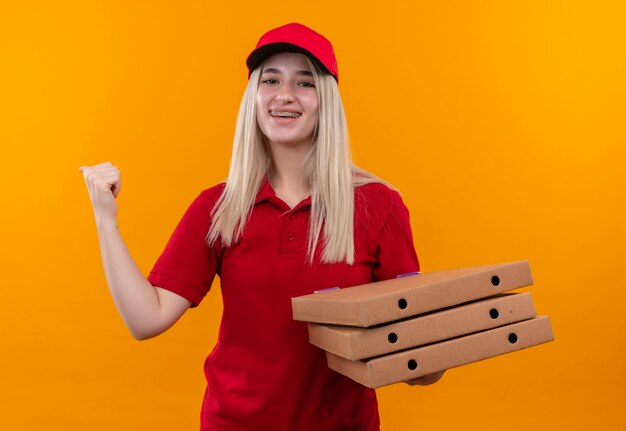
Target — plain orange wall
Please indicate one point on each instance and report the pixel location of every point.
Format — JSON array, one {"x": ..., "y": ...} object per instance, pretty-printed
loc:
[{"x": 501, "y": 122}]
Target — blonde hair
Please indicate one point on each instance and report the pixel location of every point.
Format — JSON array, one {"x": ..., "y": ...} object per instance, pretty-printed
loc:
[{"x": 328, "y": 168}]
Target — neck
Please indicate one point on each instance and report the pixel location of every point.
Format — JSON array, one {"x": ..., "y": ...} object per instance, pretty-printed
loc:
[{"x": 288, "y": 174}]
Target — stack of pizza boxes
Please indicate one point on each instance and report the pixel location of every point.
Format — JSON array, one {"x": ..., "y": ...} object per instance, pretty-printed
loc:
[{"x": 400, "y": 329}]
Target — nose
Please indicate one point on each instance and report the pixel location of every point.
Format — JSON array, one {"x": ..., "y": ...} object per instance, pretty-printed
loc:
[{"x": 285, "y": 94}]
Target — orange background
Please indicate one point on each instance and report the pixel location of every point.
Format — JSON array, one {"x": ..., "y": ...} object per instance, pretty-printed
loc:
[{"x": 501, "y": 122}]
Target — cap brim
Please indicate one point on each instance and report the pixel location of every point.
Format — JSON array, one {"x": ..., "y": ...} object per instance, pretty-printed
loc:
[{"x": 259, "y": 55}]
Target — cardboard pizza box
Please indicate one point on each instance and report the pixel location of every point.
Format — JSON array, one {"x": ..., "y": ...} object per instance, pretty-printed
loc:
[
  {"x": 360, "y": 343},
  {"x": 413, "y": 363},
  {"x": 386, "y": 301}
]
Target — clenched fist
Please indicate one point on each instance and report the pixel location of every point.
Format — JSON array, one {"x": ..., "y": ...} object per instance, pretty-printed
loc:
[{"x": 103, "y": 183}]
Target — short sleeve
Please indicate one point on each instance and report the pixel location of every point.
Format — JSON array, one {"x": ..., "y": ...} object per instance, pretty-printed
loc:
[
  {"x": 187, "y": 265},
  {"x": 395, "y": 250}
]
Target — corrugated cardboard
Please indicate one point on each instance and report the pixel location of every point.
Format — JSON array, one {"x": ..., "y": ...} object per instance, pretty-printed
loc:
[
  {"x": 386, "y": 301},
  {"x": 410, "y": 364},
  {"x": 359, "y": 343}
]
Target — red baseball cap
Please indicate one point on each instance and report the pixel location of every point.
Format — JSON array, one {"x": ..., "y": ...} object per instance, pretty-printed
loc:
[{"x": 295, "y": 37}]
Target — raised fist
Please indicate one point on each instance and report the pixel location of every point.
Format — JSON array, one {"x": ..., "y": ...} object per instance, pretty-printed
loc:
[{"x": 103, "y": 183}]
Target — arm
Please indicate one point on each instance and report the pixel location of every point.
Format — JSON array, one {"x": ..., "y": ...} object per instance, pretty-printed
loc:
[{"x": 147, "y": 310}]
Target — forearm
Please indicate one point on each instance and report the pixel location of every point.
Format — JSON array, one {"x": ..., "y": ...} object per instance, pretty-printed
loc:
[{"x": 135, "y": 298}]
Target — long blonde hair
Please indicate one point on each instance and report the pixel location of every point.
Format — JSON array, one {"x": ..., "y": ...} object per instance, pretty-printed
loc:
[{"x": 328, "y": 168}]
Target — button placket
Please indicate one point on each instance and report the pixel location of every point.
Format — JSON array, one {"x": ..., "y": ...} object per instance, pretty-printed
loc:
[{"x": 290, "y": 237}]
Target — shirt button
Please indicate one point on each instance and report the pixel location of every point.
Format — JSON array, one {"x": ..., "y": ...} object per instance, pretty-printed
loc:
[
  {"x": 291, "y": 236},
  {"x": 292, "y": 216}
]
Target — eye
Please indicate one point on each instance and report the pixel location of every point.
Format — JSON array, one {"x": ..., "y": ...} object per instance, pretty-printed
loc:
[
  {"x": 270, "y": 81},
  {"x": 306, "y": 84}
]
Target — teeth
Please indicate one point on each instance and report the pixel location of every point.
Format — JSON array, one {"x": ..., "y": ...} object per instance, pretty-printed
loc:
[{"x": 284, "y": 114}]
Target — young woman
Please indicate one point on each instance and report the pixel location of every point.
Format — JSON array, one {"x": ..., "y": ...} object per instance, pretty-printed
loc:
[{"x": 294, "y": 216}]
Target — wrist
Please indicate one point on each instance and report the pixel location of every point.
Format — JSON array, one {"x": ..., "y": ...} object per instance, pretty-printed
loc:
[{"x": 106, "y": 223}]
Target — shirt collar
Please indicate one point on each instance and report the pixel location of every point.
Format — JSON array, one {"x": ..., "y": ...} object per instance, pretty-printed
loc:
[{"x": 266, "y": 192}]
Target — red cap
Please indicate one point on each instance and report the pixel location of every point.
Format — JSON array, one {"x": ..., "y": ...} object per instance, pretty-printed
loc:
[{"x": 295, "y": 37}]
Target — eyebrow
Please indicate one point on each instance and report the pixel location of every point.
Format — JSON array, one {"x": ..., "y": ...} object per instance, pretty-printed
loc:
[{"x": 273, "y": 70}]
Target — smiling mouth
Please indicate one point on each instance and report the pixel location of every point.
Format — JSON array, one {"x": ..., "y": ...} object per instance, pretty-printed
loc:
[{"x": 284, "y": 114}]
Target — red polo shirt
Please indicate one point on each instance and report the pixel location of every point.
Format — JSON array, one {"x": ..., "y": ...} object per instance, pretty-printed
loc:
[{"x": 263, "y": 374}]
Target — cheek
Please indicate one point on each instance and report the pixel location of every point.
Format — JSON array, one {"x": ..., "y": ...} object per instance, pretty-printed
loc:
[
  {"x": 315, "y": 107},
  {"x": 314, "y": 101}
]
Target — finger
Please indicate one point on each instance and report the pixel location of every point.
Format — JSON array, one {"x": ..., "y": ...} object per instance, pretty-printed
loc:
[
  {"x": 107, "y": 168},
  {"x": 103, "y": 164},
  {"x": 110, "y": 184},
  {"x": 114, "y": 184},
  {"x": 110, "y": 175},
  {"x": 106, "y": 172},
  {"x": 427, "y": 379},
  {"x": 99, "y": 165},
  {"x": 91, "y": 174}
]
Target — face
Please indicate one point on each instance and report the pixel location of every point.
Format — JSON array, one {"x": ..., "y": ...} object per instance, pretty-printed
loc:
[{"x": 286, "y": 101}]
